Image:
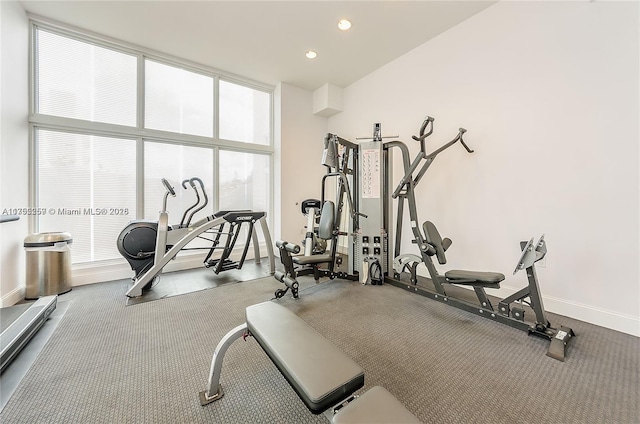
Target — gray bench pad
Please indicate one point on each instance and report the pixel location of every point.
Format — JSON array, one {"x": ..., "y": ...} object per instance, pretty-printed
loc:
[
  {"x": 376, "y": 406},
  {"x": 474, "y": 278},
  {"x": 313, "y": 259},
  {"x": 318, "y": 371}
]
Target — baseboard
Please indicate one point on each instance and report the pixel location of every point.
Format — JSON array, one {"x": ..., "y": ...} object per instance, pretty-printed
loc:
[
  {"x": 612, "y": 320},
  {"x": 624, "y": 323},
  {"x": 593, "y": 315},
  {"x": 99, "y": 273},
  {"x": 118, "y": 270},
  {"x": 13, "y": 297}
]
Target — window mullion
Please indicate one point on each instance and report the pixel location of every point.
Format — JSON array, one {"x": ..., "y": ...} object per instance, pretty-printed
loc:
[
  {"x": 216, "y": 178},
  {"x": 140, "y": 178},
  {"x": 140, "y": 102},
  {"x": 216, "y": 108}
]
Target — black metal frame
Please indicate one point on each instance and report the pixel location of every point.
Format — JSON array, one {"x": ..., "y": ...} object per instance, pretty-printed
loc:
[
  {"x": 506, "y": 313},
  {"x": 338, "y": 169}
]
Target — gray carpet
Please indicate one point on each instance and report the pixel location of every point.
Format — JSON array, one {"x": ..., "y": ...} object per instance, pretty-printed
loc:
[{"x": 107, "y": 363}]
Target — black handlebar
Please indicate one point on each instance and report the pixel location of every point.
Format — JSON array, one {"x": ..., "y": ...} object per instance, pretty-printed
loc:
[
  {"x": 204, "y": 194},
  {"x": 168, "y": 187},
  {"x": 190, "y": 181}
]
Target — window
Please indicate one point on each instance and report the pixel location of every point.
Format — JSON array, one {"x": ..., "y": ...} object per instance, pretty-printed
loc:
[
  {"x": 244, "y": 114},
  {"x": 244, "y": 182},
  {"x": 87, "y": 186},
  {"x": 176, "y": 163},
  {"x": 101, "y": 144},
  {"x": 177, "y": 100},
  {"x": 80, "y": 80}
]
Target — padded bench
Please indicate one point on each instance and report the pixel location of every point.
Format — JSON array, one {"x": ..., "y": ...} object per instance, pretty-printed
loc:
[
  {"x": 318, "y": 371},
  {"x": 322, "y": 376},
  {"x": 475, "y": 278}
]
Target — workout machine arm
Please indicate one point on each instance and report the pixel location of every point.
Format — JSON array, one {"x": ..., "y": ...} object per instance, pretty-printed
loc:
[
  {"x": 458, "y": 137},
  {"x": 186, "y": 211},
  {"x": 204, "y": 195},
  {"x": 170, "y": 191},
  {"x": 421, "y": 138},
  {"x": 432, "y": 156},
  {"x": 408, "y": 176}
]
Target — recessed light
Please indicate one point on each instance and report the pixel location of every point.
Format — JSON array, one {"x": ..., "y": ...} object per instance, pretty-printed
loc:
[
  {"x": 344, "y": 24},
  {"x": 311, "y": 54}
]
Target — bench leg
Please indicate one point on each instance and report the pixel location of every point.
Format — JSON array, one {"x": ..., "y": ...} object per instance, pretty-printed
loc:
[{"x": 214, "y": 388}]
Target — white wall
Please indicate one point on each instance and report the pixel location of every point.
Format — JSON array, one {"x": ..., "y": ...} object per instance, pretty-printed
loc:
[
  {"x": 14, "y": 146},
  {"x": 298, "y": 153},
  {"x": 549, "y": 94}
]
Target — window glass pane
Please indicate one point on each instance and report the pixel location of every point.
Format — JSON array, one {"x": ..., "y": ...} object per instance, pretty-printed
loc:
[
  {"x": 177, "y": 100},
  {"x": 245, "y": 114},
  {"x": 79, "y": 80},
  {"x": 244, "y": 183},
  {"x": 177, "y": 163},
  {"x": 87, "y": 184}
]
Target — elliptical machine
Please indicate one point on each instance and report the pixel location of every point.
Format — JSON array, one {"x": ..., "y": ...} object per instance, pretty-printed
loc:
[
  {"x": 149, "y": 245},
  {"x": 137, "y": 241}
]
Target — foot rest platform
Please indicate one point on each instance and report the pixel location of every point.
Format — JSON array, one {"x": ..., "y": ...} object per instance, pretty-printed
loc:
[
  {"x": 319, "y": 372},
  {"x": 376, "y": 406},
  {"x": 474, "y": 278}
]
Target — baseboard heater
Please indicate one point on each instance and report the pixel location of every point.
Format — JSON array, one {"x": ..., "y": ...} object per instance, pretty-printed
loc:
[{"x": 15, "y": 337}]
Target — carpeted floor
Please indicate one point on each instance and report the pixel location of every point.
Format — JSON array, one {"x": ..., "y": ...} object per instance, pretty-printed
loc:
[{"x": 146, "y": 363}]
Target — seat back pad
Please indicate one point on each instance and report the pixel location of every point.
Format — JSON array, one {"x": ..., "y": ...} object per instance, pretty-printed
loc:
[{"x": 318, "y": 371}]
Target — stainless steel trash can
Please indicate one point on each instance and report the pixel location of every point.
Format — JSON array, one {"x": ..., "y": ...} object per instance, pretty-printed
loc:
[{"x": 48, "y": 264}]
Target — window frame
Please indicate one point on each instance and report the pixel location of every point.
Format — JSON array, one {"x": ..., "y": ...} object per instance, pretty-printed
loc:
[{"x": 138, "y": 132}]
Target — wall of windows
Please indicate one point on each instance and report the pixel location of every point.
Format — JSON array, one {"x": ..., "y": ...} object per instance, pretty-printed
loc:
[{"x": 109, "y": 121}]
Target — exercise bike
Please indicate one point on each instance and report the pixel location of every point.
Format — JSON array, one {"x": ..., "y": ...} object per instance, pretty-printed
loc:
[{"x": 149, "y": 245}]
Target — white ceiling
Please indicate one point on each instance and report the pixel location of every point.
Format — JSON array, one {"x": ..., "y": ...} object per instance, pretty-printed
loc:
[{"x": 266, "y": 40}]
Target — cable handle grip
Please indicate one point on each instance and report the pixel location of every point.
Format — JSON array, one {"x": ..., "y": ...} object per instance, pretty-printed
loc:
[
  {"x": 204, "y": 194},
  {"x": 428, "y": 120},
  {"x": 191, "y": 183},
  {"x": 462, "y": 131},
  {"x": 168, "y": 187}
]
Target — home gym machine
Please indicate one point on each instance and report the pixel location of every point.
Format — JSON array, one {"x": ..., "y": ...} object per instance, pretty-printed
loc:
[
  {"x": 375, "y": 263},
  {"x": 510, "y": 310},
  {"x": 148, "y": 246},
  {"x": 339, "y": 157}
]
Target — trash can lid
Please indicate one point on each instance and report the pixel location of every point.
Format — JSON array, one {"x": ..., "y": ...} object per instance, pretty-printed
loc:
[{"x": 46, "y": 239}]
